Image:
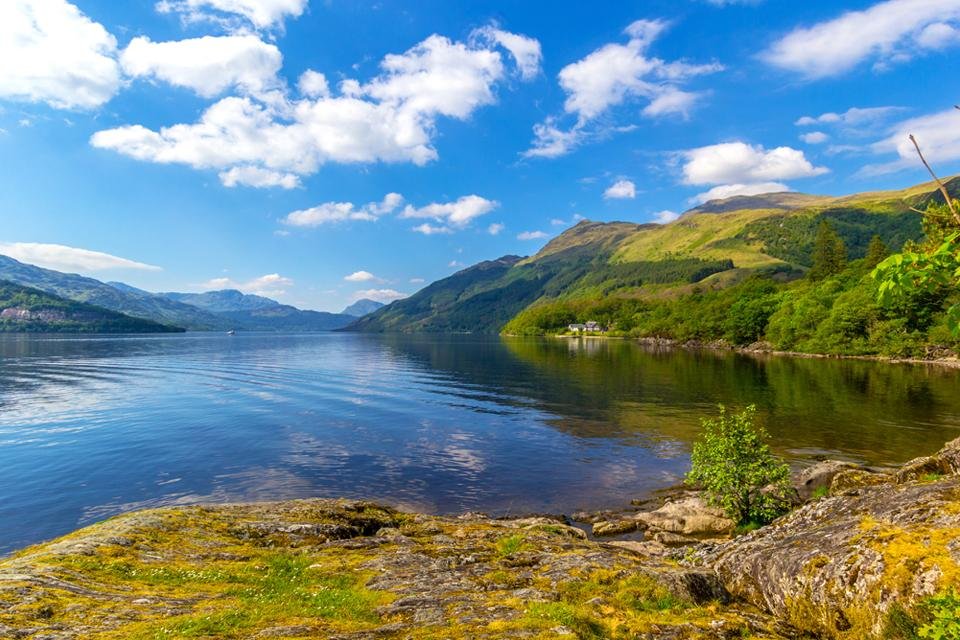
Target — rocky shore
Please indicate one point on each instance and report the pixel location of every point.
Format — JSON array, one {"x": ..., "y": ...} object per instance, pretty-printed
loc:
[{"x": 855, "y": 560}]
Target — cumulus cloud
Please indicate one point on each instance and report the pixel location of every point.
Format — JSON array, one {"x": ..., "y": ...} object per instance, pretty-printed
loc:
[
  {"x": 665, "y": 216},
  {"x": 887, "y": 33},
  {"x": 814, "y": 137},
  {"x": 391, "y": 118},
  {"x": 732, "y": 162},
  {"x": 531, "y": 235},
  {"x": 621, "y": 189},
  {"x": 258, "y": 177},
  {"x": 851, "y": 118},
  {"x": 333, "y": 212},
  {"x": 209, "y": 65},
  {"x": 63, "y": 258},
  {"x": 525, "y": 51},
  {"x": 385, "y": 296},
  {"x": 360, "y": 276},
  {"x": 428, "y": 229},
  {"x": 261, "y": 14},
  {"x": 937, "y": 133},
  {"x": 615, "y": 74},
  {"x": 737, "y": 168},
  {"x": 495, "y": 228},
  {"x": 453, "y": 215},
  {"x": 55, "y": 54},
  {"x": 730, "y": 190},
  {"x": 272, "y": 284}
]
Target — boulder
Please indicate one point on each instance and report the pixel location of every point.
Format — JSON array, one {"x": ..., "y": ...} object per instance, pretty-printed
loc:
[
  {"x": 853, "y": 479},
  {"x": 835, "y": 567},
  {"x": 615, "y": 527},
  {"x": 689, "y": 516},
  {"x": 945, "y": 462},
  {"x": 819, "y": 477}
]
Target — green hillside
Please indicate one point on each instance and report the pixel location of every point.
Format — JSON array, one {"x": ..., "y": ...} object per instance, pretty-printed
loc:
[
  {"x": 721, "y": 271},
  {"x": 27, "y": 310}
]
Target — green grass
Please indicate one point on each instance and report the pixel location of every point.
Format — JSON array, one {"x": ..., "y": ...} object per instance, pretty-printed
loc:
[
  {"x": 820, "y": 492},
  {"x": 510, "y": 545}
]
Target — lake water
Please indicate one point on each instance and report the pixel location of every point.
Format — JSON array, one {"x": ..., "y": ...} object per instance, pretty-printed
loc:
[{"x": 93, "y": 426}]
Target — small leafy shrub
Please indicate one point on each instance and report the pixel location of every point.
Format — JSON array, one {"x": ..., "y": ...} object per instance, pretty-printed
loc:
[
  {"x": 821, "y": 492},
  {"x": 944, "y": 612},
  {"x": 734, "y": 464}
]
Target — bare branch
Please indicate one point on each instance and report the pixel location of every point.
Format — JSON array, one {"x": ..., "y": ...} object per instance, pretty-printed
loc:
[{"x": 943, "y": 189}]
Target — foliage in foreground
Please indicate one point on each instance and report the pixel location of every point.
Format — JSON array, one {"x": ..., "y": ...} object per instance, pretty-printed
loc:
[{"x": 734, "y": 464}]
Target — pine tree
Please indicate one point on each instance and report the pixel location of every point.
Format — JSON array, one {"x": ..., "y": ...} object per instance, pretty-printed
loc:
[
  {"x": 829, "y": 252},
  {"x": 877, "y": 251}
]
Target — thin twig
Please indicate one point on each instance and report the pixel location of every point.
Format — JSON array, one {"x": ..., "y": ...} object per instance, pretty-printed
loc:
[{"x": 943, "y": 189}]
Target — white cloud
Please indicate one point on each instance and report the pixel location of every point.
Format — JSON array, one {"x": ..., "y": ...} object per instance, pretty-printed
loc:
[
  {"x": 456, "y": 214},
  {"x": 428, "y": 229},
  {"x": 55, "y": 54},
  {"x": 814, "y": 137},
  {"x": 209, "y": 65},
  {"x": 525, "y": 51},
  {"x": 455, "y": 264},
  {"x": 360, "y": 276},
  {"x": 391, "y": 118},
  {"x": 385, "y": 296},
  {"x": 495, "y": 228},
  {"x": 262, "y": 14},
  {"x": 738, "y": 162},
  {"x": 665, "y": 216},
  {"x": 612, "y": 75},
  {"x": 887, "y": 32},
  {"x": 531, "y": 235},
  {"x": 730, "y": 190},
  {"x": 938, "y": 135},
  {"x": 621, "y": 189},
  {"x": 64, "y": 258},
  {"x": 333, "y": 212},
  {"x": 258, "y": 177},
  {"x": 853, "y": 117},
  {"x": 272, "y": 284},
  {"x": 417, "y": 280},
  {"x": 313, "y": 84}
]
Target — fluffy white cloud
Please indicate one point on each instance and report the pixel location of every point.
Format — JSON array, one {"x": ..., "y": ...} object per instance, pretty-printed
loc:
[
  {"x": 665, "y": 216},
  {"x": 333, "y": 212},
  {"x": 63, "y": 258},
  {"x": 360, "y": 276},
  {"x": 272, "y": 284},
  {"x": 456, "y": 214},
  {"x": 385, "y": 296},
  {"x": 738, "y": 162},
  {"x": 730, "y": 190},
  {"x": 888, "y": 32},
  {"x": 55, "y": 54},
  {"x": 814, "y": 137},
  {"x": 262, "y": 14},
  {"x": 938, "y": 135},
  {"x": 525, "y": 51},
  {"x": 258, "y": 177},
  {"x": 428, "y": 229},
  {"x": 531, "y": 235},
  {"x": 612, "y": 75},
  {"x": 851, "y": 118},
  {"x": 495, "y": 228},
  {"x": 621, "y": 189},
  {"x": 392, "y": 118},
  {"x": 209, "y": 65}
]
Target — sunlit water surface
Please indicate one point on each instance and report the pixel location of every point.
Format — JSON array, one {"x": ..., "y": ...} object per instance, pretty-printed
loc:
[{"x": 93, "y": 426}]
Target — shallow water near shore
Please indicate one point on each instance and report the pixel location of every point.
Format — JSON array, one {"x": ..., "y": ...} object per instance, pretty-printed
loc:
[{"x": 95, "y": 425}]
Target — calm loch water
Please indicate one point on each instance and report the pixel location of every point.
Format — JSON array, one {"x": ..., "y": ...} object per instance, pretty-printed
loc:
[{"x": 92, "y": 426}]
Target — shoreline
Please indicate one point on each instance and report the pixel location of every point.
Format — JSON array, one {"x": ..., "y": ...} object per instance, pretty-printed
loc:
[{"x": 952, "y": 362}]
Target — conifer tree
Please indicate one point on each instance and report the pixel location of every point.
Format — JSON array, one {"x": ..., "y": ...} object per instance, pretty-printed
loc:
[
  {"x": 877, "y": 251},
  {"x": 829, "y": 252}
]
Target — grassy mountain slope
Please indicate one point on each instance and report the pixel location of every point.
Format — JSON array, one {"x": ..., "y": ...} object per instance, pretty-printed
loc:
[
  {"x": 129, "y": 301},
  {"x": 24, "y": 309},
  {"x": 718, "y": 245}
]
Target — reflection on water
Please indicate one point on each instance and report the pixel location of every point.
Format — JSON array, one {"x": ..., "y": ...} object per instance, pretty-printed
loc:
[{"x": 93, "y": 426}]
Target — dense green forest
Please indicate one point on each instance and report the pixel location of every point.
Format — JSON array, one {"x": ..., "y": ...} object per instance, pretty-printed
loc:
[{"x": 28, "y": 310}]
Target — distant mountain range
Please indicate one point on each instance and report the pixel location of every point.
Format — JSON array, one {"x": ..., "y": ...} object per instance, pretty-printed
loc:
[
  {"x": 362, "y": 307},
  {"x": 211, "y": 311},
  {"x": 24, "y": 309},
  {"x": 715, "y": 245}
]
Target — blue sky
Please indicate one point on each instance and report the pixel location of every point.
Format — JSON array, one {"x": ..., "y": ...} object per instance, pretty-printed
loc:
[{"x": 322, "y": 151}]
